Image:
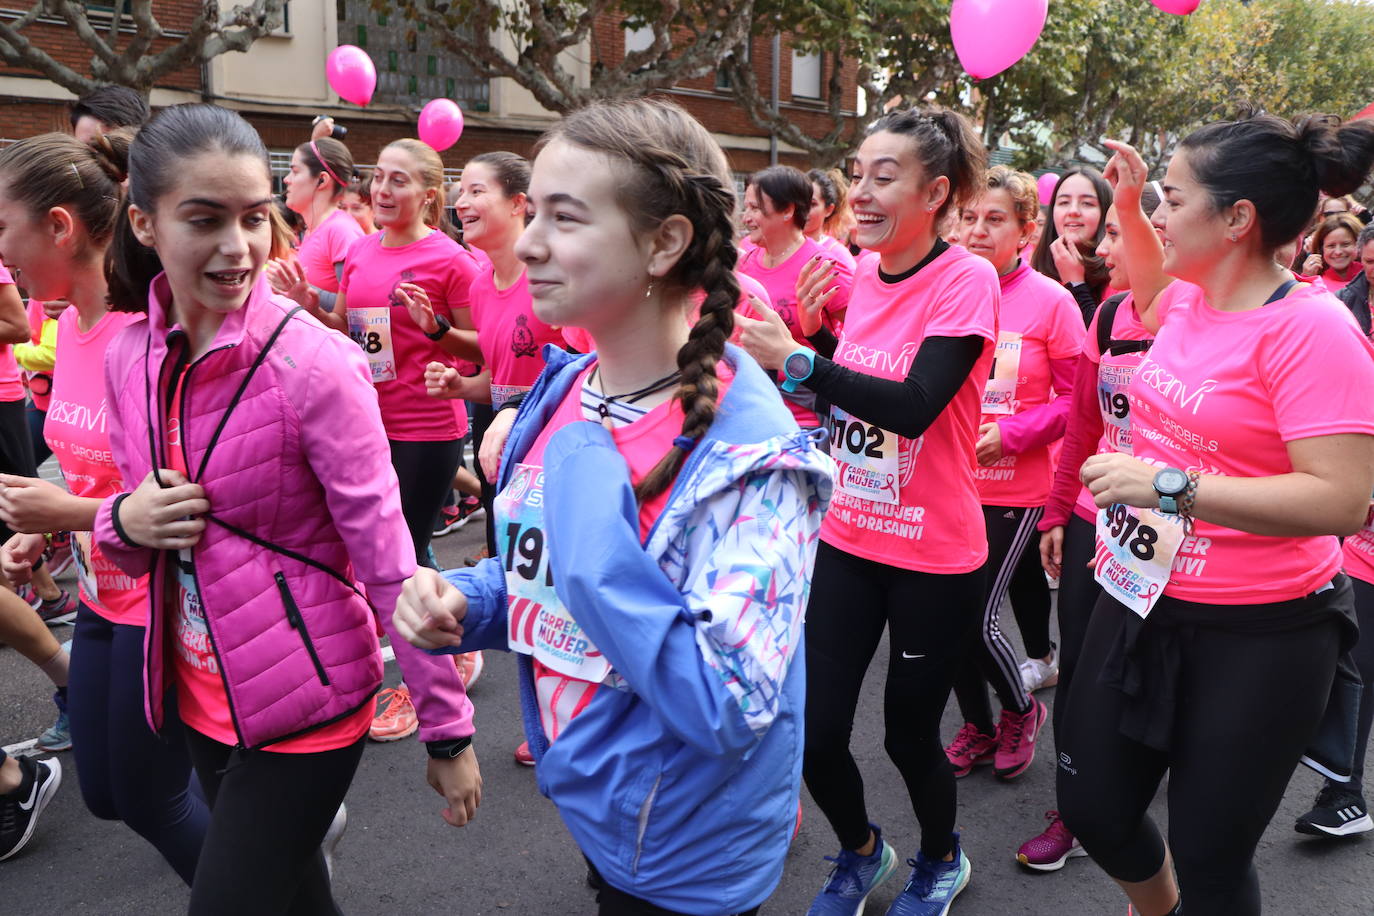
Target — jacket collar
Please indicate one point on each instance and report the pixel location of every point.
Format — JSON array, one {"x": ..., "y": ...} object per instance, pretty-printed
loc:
[{"x": 231, "y": 332}]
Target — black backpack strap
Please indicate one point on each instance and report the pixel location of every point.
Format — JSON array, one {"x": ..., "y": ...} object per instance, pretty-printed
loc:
[
  {"x": 1106, "y": 317},
  {"x": 243, "y": 387}
]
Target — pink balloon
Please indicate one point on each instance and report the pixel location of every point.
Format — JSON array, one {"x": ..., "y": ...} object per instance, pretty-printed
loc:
[
  {"x": 1177, "y": 7},
  {"x": 441, "y": 123},
  {"x": 991, "y": 35},
  {"x": 351, "y": 74},
  {"x": 1045, "y": 185}
]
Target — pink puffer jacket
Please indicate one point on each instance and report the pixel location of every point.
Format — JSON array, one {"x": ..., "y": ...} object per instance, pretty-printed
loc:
[{"x": 301, "y": 462}]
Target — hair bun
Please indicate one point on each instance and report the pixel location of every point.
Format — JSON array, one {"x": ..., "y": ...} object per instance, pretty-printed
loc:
[
  {"x": 1342, "y": 154},
  {"x": 111, "y": 153}
]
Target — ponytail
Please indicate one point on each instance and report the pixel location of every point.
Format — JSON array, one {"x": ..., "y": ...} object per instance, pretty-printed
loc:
[
  {"x": 946, "y": 145},
  {"x": 57, "y": 170}
]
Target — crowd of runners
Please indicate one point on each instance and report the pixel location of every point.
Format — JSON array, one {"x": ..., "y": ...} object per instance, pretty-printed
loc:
[{"x": 722, "y": 445}]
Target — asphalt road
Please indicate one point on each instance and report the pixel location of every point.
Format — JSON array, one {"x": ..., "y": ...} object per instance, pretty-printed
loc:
[{"x": 399, "y": 857}]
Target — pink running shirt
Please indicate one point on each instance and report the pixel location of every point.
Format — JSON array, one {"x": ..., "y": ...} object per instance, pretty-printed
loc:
[
  {"x": 1358, "y": 551},
  {"x": 326, "y": 246},
  {"x": 75, "y": 431},
  {"x": 397, "y": 350},
  {"x": 1039, "y": 321},
  {"x": 511, "y": 338},
  {"x": 11, "y": 384},
  {"x": 1223, "y": 393},
  {"x": 924, "y": 512}
]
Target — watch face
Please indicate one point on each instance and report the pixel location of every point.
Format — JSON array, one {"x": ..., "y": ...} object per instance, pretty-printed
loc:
[
  {"x": 797, "y": 366},
  {"x": 1171, "y": 481}
]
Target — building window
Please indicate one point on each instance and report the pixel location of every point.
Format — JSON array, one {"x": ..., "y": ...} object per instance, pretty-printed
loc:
[
  {"x": 723, "y": 81},
  {"x": 806, "y": 76},
  {"x": 638, "y": 39},
  {"x": 412, "y": 65}
]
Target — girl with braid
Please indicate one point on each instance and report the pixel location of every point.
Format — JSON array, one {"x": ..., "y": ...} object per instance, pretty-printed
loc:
[{"x": 659, "y": 660}]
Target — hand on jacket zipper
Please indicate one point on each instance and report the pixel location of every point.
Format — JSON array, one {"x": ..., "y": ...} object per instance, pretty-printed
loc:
[{"x": 164, "y": 516}]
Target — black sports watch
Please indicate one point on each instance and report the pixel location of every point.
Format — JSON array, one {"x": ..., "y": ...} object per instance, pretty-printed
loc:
[
  {"x": 443, "y": 328},
  {"x": 447, "y": 750},
  {"x": 1170, "y": 484}
]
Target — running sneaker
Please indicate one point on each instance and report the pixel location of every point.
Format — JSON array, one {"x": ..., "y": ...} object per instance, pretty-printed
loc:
[
  {"x": 970, "y": 748},
  {"x": 398, "y": 719},
  {"x": 469, "y": 665},
  {"x": 58, "y": 611},
  {"x": 932, "y": 886},
  {"x": 476, "y": 558},
  {"x": 332, "y": 837},
  {"x": 1016, "y": 736},
  {"x": 59, "y": 737},
  {"x": 19, "y": 810},
  {"x": 1051, "y": 849},
  {"x": 57, "y": 557},
  {"x": 451, "y": 518},
  {"x": 1337, "y": 812},
  {"x": 853, "y": 878},
  {"x": 523, "y": 756},
  {"x": 29, "y": 595},
  {"x": 1037, "y": 675}
]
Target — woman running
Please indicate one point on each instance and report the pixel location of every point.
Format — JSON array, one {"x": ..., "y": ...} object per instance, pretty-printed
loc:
[
  {"x": 1025, "y": 406},
  {"x": 904, "y": 546},
  {"x": 315, "y": 185},
  {"x": 1067, "y": 248},
  {"x": 776, "y": 203},
  {"x": 1253, "y": 442},
  {"x": 1099, "y": 422},
  {"x": 270, "y": 540},
  {"x": 59, "y": 208},
  {"x": 657, "y": 656}
]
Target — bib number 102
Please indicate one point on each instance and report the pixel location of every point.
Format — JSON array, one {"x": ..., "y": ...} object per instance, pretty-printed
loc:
[
  {"x": 526, "y": 545},
  {"x": 858, "y": 438},
  {"x": 1130, "y": 533}
]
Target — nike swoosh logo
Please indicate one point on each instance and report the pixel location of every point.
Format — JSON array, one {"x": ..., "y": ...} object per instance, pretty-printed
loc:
[
  {"x": 908, "y": 655},
  {"x": 33, "y": 796}
]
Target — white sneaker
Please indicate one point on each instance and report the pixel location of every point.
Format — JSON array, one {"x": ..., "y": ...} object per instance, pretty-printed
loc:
[{"x": 1036, "y": 675}]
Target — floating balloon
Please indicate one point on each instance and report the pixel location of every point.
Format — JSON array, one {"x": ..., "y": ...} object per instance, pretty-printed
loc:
[
  {"x": 1045, "y": 185},
  {"x": 1177, "y": 7},
  {"x": 441, "y": 123},
  {"x": 991, "y": 35},
  {"x": 351, "y": 74}
]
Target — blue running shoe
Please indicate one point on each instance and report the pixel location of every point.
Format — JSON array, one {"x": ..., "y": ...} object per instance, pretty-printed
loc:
[
  {"x": 933, "y": 885},
  {"x": 853, "y": 878}
]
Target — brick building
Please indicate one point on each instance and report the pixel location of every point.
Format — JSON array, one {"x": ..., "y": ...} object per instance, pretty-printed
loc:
[{"x": 279, "y": 85}]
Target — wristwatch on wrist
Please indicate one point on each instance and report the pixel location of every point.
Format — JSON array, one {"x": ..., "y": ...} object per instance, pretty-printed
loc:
[
  {"x": 1170, "y": 484},
  {"x": 440, "y": 331},
  {"x": 447, "y": 750},
  {"x": 797, "y": 368}
]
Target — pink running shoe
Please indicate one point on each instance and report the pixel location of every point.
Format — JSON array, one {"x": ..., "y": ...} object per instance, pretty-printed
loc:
[
  {"x": 970, "y": 748},
  {"x": 398, "y": 719},
  {"x": 523, "y": 755},
  {"x": 1016, "y": 736},
  {"x": 469, "y": 665},
  {"x": 1051, "y": 849}
]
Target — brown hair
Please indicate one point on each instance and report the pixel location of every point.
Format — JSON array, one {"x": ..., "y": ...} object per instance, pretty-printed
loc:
[
  {"x": 1331, "y": 224},
  {"x": 334, "y": 160},
  {"x": 672, "y": 166},
  {"x": 1095, "y": 272},
  {"x": 57, "y": 170},
  {"x": 1025, "y": 199},
  {"x": 946, "y": 144},
  {"x": 430, "y": 173}
]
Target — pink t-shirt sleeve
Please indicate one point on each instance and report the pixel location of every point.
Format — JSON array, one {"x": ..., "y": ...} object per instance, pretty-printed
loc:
[
  {"x": 962, "y": 306},
  {"x": 1319, "y": 374}
]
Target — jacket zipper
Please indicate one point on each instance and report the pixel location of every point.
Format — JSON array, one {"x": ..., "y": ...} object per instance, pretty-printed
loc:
[
  {"x": 293, "y": 616},
  {"x": 643, "y": 825}
]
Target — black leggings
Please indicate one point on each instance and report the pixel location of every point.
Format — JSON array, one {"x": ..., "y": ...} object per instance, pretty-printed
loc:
[
  {"x": 1013, "y": 567},
  {"x": 425, "y": 471},
  {"x": 930, "y": 619},
  {"x": 1078, "y": 594},
  {"x": 269, "y": 813},
  {"x": 1364, "y": 661},
  {"x": 1247, "y": 704}
]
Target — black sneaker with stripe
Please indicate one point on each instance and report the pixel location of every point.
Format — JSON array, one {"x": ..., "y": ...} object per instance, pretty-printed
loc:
[{"x": 1337, "y": 812}]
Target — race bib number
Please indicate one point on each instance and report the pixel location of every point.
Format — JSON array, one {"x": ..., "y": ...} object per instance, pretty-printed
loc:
[
  {"x": 192, "y": 634},
  {"x": 538, "y": 624},
  {"x": 85, "y": 569},
  {"x": 1115, "y": 406},
  {"x": 500, "y": 394},
  {"x": 1135, "y": 553},
  {"x": 869, "y": 458},
  {"x": 370, "y": 329},
  {"x": 999, "y": 397}
]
